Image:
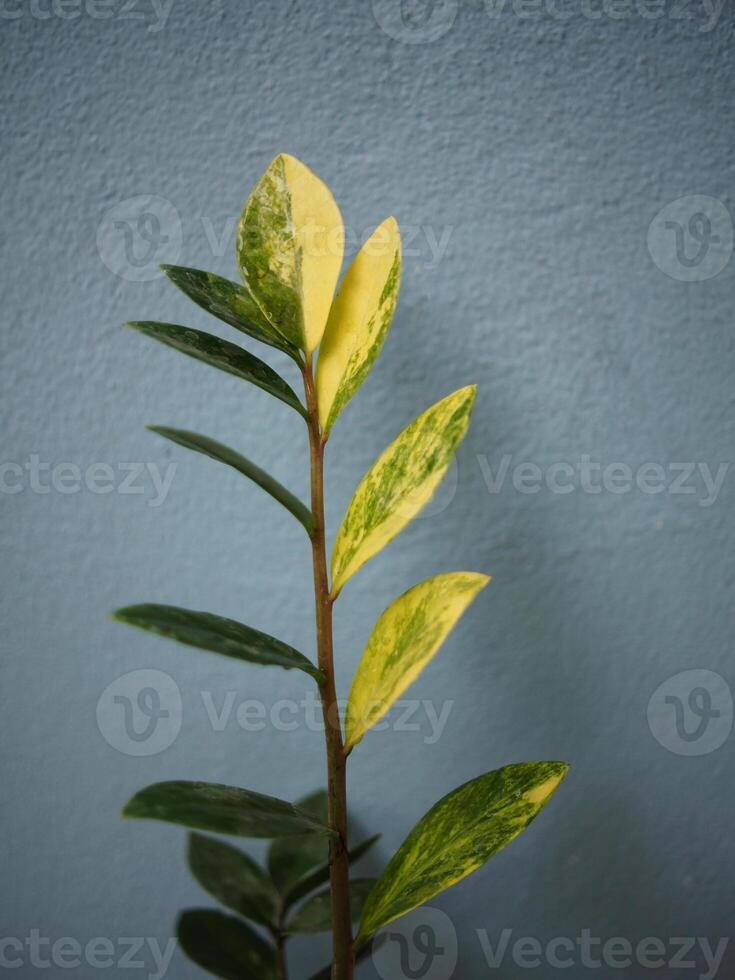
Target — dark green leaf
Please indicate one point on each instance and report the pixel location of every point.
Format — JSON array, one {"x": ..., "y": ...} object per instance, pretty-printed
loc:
[
  {"x": 230, "y": 302},
  {"x": 220, "y": 354},
  {"x": 315, "y": 915},
  {"x": 233, "y": 878},
  {"x": 225, "y": 946},
  {"x": 320, "y": 875},
  {"x": 458, "y": 835},
  {"x": 209, "y": 632},
  {"x": 223, "y": 454},
  {"x": 222, "y": 810},
  {"x": 289, "y": 860}
]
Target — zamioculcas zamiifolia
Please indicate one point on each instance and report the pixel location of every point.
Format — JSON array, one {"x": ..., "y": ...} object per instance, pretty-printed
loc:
[{"x": 290, "y": 254}]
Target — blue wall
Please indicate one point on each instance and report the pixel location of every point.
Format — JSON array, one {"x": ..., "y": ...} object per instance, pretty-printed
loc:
[{"x": 537, "y": 164}]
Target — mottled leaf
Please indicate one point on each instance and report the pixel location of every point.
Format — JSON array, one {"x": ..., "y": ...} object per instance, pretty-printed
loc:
[
  {"x": 229, "y": 302},
  {"x": 403, "y": 641},
  {"x": 320, "y": 875},
  {"x": 220, "y": 354},
  {"x": 223, "y": 454},
  {"x": 400, "y": 483},
  {"x": 289, "y": 860},
  {"x": 217, "y": 634},
  {"x": 358, "y": 321},
  {"x": 290, "y": 245},
  {"x": 222, "y": 810},
  {"x": 225, "y": 946},
  {"x": 315, "y": 915},
  {"x": 458, "y": 835},
  {"x": 233, "y": 878}
]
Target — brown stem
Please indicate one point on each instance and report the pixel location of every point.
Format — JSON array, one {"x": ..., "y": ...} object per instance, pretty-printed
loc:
[
  {"x": 342, "y": 955},
  {"x": 279, "y": 939}
]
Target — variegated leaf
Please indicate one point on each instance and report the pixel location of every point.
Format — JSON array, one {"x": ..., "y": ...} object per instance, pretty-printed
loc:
[
  {"x": 290, "y": 244},
  {"x": 458, "y": 835},
  {"x": 404, "y": 640},
  {"x": 358, "y": 321},
  {"x": 230, "y": 302},
  {"x": 400, "y": 483}
]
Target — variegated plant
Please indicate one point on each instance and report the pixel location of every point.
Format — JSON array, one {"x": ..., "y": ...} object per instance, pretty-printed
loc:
[{"x": 289, "y": 252}]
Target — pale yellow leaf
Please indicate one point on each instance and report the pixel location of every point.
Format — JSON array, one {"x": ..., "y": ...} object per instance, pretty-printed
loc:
[
  {"x": 358, "y": 321},
  {"x": 402, "y": 643}
]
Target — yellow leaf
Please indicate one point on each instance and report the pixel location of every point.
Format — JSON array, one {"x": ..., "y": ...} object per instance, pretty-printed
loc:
[
  {"x": 358, "y": 321},
  {"x": 404, "y": 640},
  {"x": 400, "y": 483},
  {"x": 290, "y": 244}
]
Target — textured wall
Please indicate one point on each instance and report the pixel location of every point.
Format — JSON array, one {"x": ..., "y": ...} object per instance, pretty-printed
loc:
[{"x": 526, "y": 150}]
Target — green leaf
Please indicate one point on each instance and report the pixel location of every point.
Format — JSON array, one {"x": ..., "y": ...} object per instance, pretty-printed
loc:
[
  {"x": 233, "y": 878},
  {"x": 402, "y": 643},
  {"x": 289, "y": 248},
  {"x": 222, "y": 810},
  {"x": 458, "y": 835},
  {"x": 291, "y": 859},
  {"x": 225, "y": 946},
  {"x": 320, "y": 876},
  {"x": 358, "y": 321},
  {"x": 223, "y": 454},
  {"x": 220, "y": 354},
  {"x": 400, "y": 483},
  {"x": 315, "y": 915},
  {"x": 229, "y": 302},
  {"x": 217, "y": 634}
]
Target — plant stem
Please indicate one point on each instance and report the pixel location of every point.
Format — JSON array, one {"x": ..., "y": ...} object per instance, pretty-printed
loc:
[
  {"x": 339, "y": 871},
  {"x": 280, "y": 941}
]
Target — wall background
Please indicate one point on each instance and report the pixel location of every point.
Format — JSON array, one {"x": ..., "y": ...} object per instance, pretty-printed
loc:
[{"x": 527, "y": 157}]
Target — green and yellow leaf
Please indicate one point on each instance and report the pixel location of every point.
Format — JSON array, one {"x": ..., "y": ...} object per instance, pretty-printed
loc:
[
  {"x": 458, "y": 835},
  {"x": 233, "y": 878},
  {"x": 222, "y": 810},
  {"x": 404, "y": 640},
  {"x": 229, "y": 302},
  {"x": 225, "y": 946},
  {"x": 290, "y": 244},
  {"x": 400, "y": 483},
  {"x": 358, "y": 321}
]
